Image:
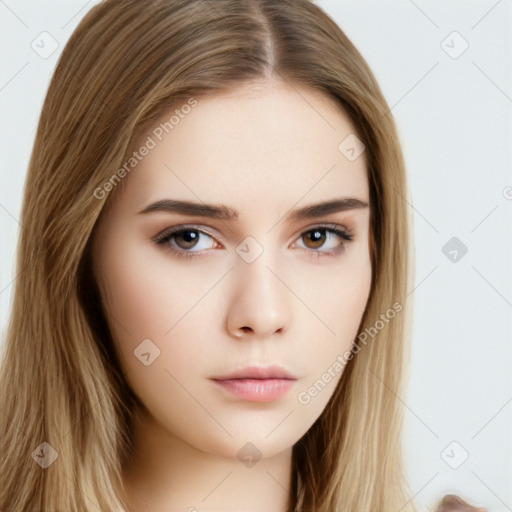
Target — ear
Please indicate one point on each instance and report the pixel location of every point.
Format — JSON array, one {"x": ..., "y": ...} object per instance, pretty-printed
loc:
[{"x": 452, "y": 503}]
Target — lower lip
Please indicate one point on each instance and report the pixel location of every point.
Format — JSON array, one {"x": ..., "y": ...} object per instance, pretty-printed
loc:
[{"x": 256, "y": 390}]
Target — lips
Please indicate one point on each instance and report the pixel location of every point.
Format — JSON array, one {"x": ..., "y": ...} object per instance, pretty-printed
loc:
[
  {"x": 256, "y": 383},
  {"x": 258, "y": 372}
]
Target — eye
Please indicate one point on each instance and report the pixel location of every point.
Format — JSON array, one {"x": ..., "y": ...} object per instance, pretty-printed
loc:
[
  {"x": 335, "y": 235},
  {"x": 181, "y": 240}
]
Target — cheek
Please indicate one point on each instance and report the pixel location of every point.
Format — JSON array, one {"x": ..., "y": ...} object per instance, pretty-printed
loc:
[
  {"x": 340, "y": 307},
  {"x": 145, "y": 295},
  {"x": 149, "y": 299},
  {"x": 340, "y": 297},
  {"x": 138, "y": 309},
  {"x": 153, "y": 320},
  {"x": 348, "y": 295}
]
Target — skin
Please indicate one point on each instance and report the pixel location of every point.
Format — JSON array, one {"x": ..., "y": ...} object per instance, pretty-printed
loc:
[{"x": 265, "y": 150}]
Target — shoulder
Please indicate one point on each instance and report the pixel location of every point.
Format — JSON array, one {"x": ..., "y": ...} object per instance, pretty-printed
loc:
[{"x": 453, "y": 503}]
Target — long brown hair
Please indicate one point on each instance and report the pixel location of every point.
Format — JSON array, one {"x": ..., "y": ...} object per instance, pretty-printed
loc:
[{"x": 124, "y": 65}]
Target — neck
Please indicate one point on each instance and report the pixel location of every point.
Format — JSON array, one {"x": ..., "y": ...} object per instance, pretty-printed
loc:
[{"x": 167, "y": 474}]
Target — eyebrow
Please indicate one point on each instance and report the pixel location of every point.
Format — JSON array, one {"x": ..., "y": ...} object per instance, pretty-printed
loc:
[{"x": 223, "y": 212}]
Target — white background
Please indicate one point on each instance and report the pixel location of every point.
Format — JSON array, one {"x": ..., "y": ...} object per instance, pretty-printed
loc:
[{"x": 455, "y": 121}]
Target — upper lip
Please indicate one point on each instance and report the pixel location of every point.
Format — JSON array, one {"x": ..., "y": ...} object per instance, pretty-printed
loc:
[{"x": 258, "y": 372}]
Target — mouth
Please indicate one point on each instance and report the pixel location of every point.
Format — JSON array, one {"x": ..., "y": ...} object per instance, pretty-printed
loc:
[
  {"x": 258, "y": 372},
  {"x": 257, "y": 384},
  {"x": 256, "y": 390}
]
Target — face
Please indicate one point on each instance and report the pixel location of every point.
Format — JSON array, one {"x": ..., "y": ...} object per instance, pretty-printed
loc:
[{"x": 193, "y": 294}]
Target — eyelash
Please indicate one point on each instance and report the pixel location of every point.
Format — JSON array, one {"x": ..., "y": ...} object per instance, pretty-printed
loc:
[{"x": 166, "y": 235}]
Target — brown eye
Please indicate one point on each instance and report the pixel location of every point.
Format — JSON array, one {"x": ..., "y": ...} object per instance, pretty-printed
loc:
[
  {"x": 335, "y": 238},
  {"x": 186, "y": 239},
  {"x": 316, "y": 237}
]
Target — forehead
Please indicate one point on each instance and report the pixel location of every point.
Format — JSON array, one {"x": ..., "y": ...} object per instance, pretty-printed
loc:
[{"x": 271, "y": 145}]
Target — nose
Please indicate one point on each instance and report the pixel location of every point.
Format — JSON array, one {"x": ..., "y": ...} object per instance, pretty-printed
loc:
[{"x": 259, "y": 304}]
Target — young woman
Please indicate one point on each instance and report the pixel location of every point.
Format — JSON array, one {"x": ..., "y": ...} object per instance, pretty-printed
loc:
[{"x": 210, "y": 312}]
